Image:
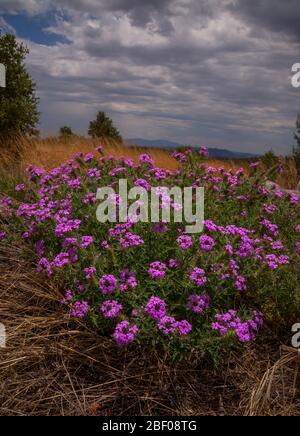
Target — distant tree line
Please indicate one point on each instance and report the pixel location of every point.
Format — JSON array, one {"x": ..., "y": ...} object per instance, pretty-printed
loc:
[{"x": 101, "y": 127}]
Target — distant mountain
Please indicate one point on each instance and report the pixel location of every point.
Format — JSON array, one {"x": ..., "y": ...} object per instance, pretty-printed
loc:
[{"x": 213, "y": 152}]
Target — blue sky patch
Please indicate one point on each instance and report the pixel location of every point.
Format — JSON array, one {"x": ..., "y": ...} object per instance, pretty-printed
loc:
[{"x": 34, "y": 28}]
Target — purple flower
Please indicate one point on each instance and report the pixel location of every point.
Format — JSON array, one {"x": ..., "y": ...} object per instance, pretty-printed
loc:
[
  {"x": 156, "y": 308},
  {"x": 128, "y": 280},
  {"x": 66, "y": 227},
  {"x": 273, "y": 228},
  {"x": 185, "y": 242},
  {"x": 79, "y": 309},
  {"x": 130, "y": 240},
  {"x": 68, "y": 242},
  {"x": 206, "y": 243},
  {"x": 20, "y": 188},
  {"x": 174, "y": 263},
  {"x": 270, "y": 208},
  {"x": 125, "y": 333},
  {"x": 198, "y": 276},
  {"x": 167, "y": 325},
  {"x": 93, "y": 173},
  {"x": 157, "y": 270},
  {"x": 210, "y": 226},
  {"x": 73, "y": 254},
  {"x": 277, "y": 245},
  {"x": 142, "y": 183},
  {"x": 88, "y": 157},
  {"x": 75, "y": 183},
  {"x": 2, "y": 236},
  {"x": 61, "y": 260},
  {"x": 245, "y": 331},
  {"x": 203, "y": 151},
  {"x": 111, "y": 308},
  {"x": 68, "y": 297},
  {"x": 89, "y": 198},
  {"x": 86, "y": 241},
  {"x": 146, "y": 159},
  {"x": 90, "y": 272},
  {"x": 198, "y": 303},
  {"x": 108, "y": 284},
  {"x": 45, "y": 265},
  {"x": 241, "y": 283},
  {"x": 184, "y": 327}
]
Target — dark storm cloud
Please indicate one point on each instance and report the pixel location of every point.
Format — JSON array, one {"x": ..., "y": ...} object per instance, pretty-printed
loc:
[
  {"x": 277, "y": 15},
  {"x": 214, "y": 72}
]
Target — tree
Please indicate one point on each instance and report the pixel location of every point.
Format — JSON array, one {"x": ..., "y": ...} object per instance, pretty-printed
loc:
[
  {"x": 102, "y": 127},
  {"x": 65, "y": 132},
  {"x": 296, "y": 150},
  {"x": 18, "y": 104}
]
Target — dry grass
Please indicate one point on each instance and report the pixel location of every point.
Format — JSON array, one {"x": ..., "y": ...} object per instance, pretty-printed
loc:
[
  {"x": 51, "y": 152},
  {"x": 278, "y": 391},
  {"x": 55, "y": 366}
]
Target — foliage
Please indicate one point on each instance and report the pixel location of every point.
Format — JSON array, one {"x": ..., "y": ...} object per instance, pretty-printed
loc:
[
  {"x": 153, "y": 284},
  {"x": 102, "y": 127},
  {"x": 65, "y": 132},
  {"x": 270, "y": 161},
  {"x": 18, "y": 103}
]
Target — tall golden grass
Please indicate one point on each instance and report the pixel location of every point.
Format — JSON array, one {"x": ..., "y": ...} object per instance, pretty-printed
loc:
[{"x": 51, "y": 152}]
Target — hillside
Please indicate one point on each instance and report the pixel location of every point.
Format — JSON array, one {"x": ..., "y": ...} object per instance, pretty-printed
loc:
[{"x": 220, "y": 153}]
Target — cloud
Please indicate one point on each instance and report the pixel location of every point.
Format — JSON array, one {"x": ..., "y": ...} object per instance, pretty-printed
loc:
[
  {"x": 275, "y": 15},
  {"x": 32, "y": 7},
  {"x": 186, "y": 70}
]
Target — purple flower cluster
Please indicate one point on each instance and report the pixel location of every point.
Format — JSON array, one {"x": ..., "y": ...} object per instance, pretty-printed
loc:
[
  {"x": 206, "y": 243},
  {"x": 198, "y": 303},
  {"x": 128, "y": 280},
  {"x": 156, "y": 308},
  {"x": 86, "y": 241},
  {"x": 245, "y": 331},
  {"x": 198, "y": 276},
  {"x": 111, "y": 308},
  {"x": 108, "y": 284},
  {"x": 157, "y": 270},
  {"x": 185, "y": 241},
  {"x": 90, "y": 272},
  {"x": 125, "y": 333},
  {"x": 146, "y": 159},
  {"x": 59, "y": 204},
  {"x": 79, "y": 309},
  {"x": 168, "y": 326}
]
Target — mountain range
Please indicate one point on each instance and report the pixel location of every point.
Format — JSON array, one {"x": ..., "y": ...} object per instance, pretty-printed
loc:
[{"x": 219, "y": 153}]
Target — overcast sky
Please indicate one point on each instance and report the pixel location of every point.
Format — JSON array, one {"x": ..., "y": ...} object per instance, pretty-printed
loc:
[{"x": 214, "y": 72}]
